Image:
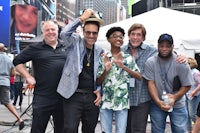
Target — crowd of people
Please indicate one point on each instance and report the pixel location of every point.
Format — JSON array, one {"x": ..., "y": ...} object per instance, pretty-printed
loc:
[{"x": 76, "y": 81}]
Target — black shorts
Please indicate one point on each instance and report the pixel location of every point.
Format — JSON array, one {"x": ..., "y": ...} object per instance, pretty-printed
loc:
[{"x": 198, "y": 110}]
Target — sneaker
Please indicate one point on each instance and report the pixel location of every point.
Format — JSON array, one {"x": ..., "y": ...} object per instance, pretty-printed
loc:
[
  {"x": 12, "y": 101},
  {"x": 21, "y": 125},
  {"x": 17, "y": 107}
]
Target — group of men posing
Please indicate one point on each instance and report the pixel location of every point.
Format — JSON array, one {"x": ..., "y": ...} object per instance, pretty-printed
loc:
[{"x": 73, "y": 79}]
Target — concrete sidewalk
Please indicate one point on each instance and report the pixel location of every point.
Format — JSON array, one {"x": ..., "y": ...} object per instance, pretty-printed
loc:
[{"x": 7, "y": 120}]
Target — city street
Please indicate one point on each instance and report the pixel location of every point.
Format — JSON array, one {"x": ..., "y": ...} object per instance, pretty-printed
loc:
[{"x": 7, "y": 120}]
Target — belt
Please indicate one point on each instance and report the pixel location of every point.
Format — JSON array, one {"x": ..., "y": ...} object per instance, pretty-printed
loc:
[{"x": 84, "y": 91}]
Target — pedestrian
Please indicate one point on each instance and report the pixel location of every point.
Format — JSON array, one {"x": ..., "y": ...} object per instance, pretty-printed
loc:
[
  {"x": 81, "y": 98},
  {"x": 117, "y": 71},
  {"x": 12, "y": 89},
  {"x": 160, "y": 71},
  {"x": 139, "y": 95},
  {"x": 7, "y": 70},
  {"x": 18, "y": 87},
  {"x": 193, "y": 96},
  {"x": 196, "y": 128},
  {"x": 48, "y": 58}
]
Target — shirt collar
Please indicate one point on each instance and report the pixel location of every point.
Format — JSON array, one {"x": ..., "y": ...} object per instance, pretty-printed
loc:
[
  {"x": 60, "y": 43},
  {"x": 142, "y": 46}
]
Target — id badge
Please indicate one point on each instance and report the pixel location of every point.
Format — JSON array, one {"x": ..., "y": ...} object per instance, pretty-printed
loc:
[{"x": 132, "y": 82}]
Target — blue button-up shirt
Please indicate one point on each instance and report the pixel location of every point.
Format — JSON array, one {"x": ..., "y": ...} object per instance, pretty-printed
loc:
[{"x": 139, "y": 94}]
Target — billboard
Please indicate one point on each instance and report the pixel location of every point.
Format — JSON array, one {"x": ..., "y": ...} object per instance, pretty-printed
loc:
[
  {"x": 24, "y": 20},
  {"x": 5, "y": 25}
]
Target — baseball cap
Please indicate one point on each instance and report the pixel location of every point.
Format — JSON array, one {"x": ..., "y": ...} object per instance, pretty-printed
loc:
[
  {"x": 165, "y": 37},
  {"x": 2, "y": 47}
]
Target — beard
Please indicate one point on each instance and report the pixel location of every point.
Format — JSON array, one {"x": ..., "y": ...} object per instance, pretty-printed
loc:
[{"x": 166, "y": 56}]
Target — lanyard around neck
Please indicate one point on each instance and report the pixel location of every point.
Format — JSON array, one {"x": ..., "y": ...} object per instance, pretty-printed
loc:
[{"x": 164, "y": 73}]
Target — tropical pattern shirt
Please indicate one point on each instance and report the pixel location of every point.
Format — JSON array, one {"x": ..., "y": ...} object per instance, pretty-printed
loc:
[{"x": 115, "y": 87}]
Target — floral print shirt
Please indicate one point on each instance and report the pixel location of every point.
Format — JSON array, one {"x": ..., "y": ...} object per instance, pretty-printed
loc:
[{"x": 115, "y": 87}]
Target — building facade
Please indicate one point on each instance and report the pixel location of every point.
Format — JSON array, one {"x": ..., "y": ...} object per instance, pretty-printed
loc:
[
  {"x": 190, "y": 6},
  {"x": 110, "y": 10},
  {"x": 65, "y": 11}
]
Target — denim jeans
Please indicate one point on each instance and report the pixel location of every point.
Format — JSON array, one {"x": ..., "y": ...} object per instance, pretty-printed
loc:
[
  {"x": 178, "y": 119},
  {"x": 18, "y": 93},
  {"x": 192, "y": 110},
  {"x": 106, "y": 118}
]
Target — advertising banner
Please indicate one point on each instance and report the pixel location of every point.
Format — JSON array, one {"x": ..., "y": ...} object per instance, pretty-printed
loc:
[
  {"x": 5, "y": 21},
  {"x": 24, "y": 20}
]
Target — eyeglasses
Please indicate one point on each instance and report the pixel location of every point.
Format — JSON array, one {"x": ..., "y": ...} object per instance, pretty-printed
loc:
[
  {"x": 89, "y": 33},
  {"x": 116, "y": 37}
]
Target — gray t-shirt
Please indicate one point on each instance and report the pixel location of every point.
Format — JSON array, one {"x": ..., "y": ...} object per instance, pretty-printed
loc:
[
  {"x": 155, "y": 68},
  {"x": 5, "y": 69}
]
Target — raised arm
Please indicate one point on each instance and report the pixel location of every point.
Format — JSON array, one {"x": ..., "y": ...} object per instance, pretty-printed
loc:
[{"x": 67, "y": 33}]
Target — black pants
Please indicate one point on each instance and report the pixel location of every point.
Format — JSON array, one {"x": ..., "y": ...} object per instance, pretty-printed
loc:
[
  {"x": 42, "y": 113},
  {"x": 80, "y": 107},
  {"x": 18, "y": 86},
  {"x": 137, "y": 118}
]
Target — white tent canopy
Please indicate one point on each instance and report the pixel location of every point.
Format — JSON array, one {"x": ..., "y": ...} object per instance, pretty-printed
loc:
[{"x": 184, "y": 27}]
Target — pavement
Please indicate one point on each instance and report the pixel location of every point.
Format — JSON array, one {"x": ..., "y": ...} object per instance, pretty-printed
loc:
[{"x": 7, "y": 119}]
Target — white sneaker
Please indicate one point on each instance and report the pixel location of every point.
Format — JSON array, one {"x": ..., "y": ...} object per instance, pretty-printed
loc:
[
  {"x": 12, "y": 101},
  {"x": 17, "y": 107}
]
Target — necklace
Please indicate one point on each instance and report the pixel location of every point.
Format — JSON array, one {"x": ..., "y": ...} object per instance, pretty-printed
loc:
[{"x": 88, "y": 57}]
